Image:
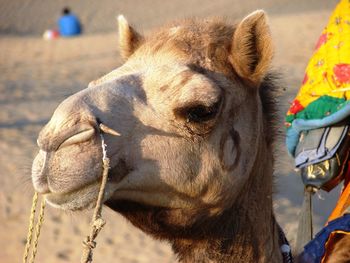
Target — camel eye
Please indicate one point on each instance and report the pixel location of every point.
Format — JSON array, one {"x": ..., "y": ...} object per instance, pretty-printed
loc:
[
  {"x": 198, "y": 113},
  {"x": 201, "y": 113}
]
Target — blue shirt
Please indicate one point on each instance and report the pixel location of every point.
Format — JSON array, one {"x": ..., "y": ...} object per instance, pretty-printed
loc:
[{"x": 69, "y": 25}]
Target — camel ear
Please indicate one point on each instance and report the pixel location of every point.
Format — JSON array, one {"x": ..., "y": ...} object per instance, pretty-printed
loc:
[
  {"x": 129, "y": 39},
  {"x": 252, "y": 50}
]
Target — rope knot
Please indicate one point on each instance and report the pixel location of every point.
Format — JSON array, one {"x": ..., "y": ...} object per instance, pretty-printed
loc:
[
  {"x": 99, "y": 223},
  {"x": 89, "y": 244},
  {"x": 106, "y": 163}
]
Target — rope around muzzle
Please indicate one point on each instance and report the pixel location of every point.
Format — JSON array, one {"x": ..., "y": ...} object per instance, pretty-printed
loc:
[{"x": 97, "y": 221}]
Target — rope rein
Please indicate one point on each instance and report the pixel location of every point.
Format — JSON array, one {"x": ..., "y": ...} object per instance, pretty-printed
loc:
[
  {"x": 33, "y": 242},
  {"x": 97, "y": 221}
]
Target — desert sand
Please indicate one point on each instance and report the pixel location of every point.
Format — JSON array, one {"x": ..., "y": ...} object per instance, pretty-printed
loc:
[{"x": 37, "y": 74}]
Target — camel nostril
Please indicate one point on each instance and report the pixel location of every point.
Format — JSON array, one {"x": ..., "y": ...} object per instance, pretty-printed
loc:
[
  {"x": 41, "y": 186},
  {"x": 79, "y": 137}
]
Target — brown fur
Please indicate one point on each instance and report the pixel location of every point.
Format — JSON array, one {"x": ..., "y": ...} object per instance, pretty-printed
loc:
[
  {"x": 129, "y": 39},
  {"x": 235, "y": 235},
  {"x": 254, "y": 49},
  {"x": 194, "y": 161}
]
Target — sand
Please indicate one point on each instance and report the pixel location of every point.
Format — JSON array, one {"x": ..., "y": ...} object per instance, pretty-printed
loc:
[{"x": 36, "y": 75}]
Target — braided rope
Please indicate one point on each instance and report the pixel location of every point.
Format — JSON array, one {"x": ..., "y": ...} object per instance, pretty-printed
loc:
[
  {"x": 97, "y": 221},
  {"x": 37, "y": 230},
  {"x": 31, "y": 227},
  {"x": 30, "y": 240}
]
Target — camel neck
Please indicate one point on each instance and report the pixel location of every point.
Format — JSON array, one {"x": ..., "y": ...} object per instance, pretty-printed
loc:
[
  {"x": 247, "y": 232},
  {"x": 240, "y": 236}
]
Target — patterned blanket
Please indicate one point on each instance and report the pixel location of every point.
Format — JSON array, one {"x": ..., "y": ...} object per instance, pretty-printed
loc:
[{"x": 324, "y": 96}]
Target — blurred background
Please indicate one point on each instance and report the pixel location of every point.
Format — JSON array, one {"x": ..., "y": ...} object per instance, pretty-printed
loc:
[{"x": 37, "y": 74}]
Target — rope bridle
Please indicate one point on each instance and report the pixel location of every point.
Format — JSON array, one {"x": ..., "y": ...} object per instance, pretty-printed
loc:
[{"x": 97, "y": 221}]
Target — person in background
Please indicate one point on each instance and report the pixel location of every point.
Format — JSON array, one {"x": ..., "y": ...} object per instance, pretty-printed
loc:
[{"x": 69, "y": 24}]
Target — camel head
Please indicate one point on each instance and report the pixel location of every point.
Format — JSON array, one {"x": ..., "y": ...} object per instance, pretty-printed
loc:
[{"x": 187, "y": 102}]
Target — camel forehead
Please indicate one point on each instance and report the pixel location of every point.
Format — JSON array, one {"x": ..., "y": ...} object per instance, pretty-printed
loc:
[
  {"x": 196, "y": 32},
  {"x": 162, "y": 82},
  {"x": 205, "y": 43},
  {"x": 167, "y": 52},
  {"x": 134, "y": 75}
]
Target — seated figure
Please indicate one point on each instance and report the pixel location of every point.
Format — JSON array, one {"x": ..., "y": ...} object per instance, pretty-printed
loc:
[
  {"x": 321, "y": 109},
  {"x": 69, "y": 24}
]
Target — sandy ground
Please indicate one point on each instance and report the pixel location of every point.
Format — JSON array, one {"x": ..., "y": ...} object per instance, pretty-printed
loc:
[{"x": 36, "y": 75}]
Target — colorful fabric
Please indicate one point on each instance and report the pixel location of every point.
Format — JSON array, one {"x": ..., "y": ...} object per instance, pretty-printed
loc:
[
  {"x": 343, "y": 203},
  {"x": 324, "y": 96},
  {"x": 316, "y": 250}
]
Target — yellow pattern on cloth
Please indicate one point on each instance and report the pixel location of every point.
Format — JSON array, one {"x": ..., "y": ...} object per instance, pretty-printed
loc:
[
  {"x": 324, "y": 96},
  {"x": 328, "y": 71}
]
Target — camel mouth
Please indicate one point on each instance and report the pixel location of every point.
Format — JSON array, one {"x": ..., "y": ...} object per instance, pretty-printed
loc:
[
  {"x": 79, "y": 199},
  {"x": 85, "y": 196}
]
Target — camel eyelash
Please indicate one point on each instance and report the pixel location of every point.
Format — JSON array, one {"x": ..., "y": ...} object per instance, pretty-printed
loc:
[{"x": 198, "y": 113}]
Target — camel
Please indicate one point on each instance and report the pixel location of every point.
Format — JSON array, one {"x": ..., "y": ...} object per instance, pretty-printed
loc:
[{"x": 194, "y": 104}]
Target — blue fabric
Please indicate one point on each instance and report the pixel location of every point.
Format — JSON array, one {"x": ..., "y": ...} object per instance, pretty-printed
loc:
[
  {"x": 315, "y": 249},
  {"x": 69, "y": 25},
  {"x": 292, "y": 139},
  {"x": 300, "y": 125}
]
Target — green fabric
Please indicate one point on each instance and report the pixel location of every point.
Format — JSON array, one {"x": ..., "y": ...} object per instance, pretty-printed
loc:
[
  {"x": 290, "y": 118},
  {"x": 320, "y": 108}
]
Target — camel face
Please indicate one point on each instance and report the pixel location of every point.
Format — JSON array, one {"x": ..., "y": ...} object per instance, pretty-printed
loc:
[
  {"x": 68, "y": 165},
  {"x": 186, "y": 103}
]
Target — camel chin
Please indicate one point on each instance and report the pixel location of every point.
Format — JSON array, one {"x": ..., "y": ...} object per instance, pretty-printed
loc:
[
  {"x": 74, "y": 183},
  {"x": 80, "y": 199}
]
